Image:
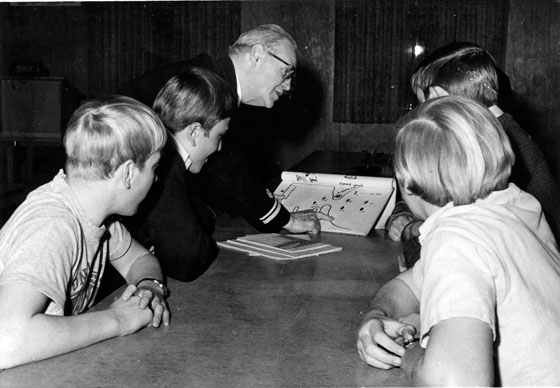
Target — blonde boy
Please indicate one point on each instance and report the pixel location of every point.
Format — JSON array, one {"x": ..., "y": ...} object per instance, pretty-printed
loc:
[
  {"x": 487, "y": 283},
  {"x": 465, "y": 69},
  {"x": 54, "y": 248}
]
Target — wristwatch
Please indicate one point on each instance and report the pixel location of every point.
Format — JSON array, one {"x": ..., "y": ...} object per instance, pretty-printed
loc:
[{"x": 158, "y": 283}]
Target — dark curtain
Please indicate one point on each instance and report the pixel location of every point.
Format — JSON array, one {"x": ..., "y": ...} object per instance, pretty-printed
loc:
[
  {"x": 374, "y": 41},
  {"x": 128, "y": 39}
]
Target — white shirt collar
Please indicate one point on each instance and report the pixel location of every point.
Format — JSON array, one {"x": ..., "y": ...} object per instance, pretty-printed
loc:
[
  {"x": 237, "y": 84},
  {"x": 500, "y": 197},
  {"x": 181, "y": 150},
  {"x": 496, "y": 110},
  {"x": 238, "y": 90},
  {"x": 428, "y": 222}
]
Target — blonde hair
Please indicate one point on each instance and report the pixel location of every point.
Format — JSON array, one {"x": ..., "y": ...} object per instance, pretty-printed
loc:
[
  {"x": 269, "y": 35},
  {"x": 452, "y": 149},
  {"x": 103, "y": 134}
]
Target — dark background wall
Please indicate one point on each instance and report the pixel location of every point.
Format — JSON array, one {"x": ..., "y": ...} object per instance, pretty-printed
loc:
[
  {"x": 97, "y": 47},
  {"x": 533, "y": 64}
]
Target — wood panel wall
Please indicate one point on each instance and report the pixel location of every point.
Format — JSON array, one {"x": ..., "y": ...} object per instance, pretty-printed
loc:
[{"x": 304, "y": 124}]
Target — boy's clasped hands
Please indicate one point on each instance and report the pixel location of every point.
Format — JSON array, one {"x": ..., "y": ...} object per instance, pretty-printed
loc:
[
  {"x": 383, "y": 342},
  {"x": 140, "y": 307}
]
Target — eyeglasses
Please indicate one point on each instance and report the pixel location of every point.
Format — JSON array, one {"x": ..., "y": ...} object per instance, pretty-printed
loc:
[{"x": 288, "y": 73}]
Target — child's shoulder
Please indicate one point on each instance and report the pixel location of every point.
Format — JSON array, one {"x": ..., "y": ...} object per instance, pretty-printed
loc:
[
  {"x": 52, "y": 198},
  {"x": 46, "y": 209},
  {"x": 501, "y": 215}
]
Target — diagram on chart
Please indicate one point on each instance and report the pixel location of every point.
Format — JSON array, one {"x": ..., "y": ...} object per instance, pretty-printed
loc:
[{"x": 356, "y": 203}]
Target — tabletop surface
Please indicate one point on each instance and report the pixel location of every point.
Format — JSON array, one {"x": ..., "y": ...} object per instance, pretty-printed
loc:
[{"x": 247, "y": 322}]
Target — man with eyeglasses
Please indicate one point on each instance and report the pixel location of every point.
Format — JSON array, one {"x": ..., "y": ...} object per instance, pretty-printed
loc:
[{"x": 260, "y": 67}]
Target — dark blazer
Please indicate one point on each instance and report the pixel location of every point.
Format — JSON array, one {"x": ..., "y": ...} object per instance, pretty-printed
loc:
[
  {"x": 173, "y": 223},
  {"x": 532, "y": 173}
]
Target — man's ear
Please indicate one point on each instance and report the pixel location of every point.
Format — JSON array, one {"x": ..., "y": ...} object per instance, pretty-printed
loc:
[
  {"x": 437, "y": 91},
  {"x": 256, "y": 54}
]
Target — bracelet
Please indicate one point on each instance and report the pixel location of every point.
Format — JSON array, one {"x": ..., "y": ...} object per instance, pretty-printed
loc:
[{"x": 158, "y": 283}]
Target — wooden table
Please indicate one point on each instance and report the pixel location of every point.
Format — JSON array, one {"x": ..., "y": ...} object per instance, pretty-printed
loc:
[{"x": 247, "y": 322}]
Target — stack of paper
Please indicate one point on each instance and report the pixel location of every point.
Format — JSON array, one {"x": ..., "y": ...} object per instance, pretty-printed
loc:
[{"x": 278, "y": 246}]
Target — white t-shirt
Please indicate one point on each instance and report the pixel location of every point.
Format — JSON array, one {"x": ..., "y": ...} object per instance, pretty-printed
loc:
[
  {"x": 51, "y": 245},
  {"x": 496, "y": 261}
]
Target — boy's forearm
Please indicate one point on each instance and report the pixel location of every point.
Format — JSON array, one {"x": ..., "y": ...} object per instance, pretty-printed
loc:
[
  {"x": 146, "y": 273},
  {"x": 395, "y": 299},
  {"x": 43, "y": 336},
  {"x": 146, "y": 266},
  {"x": 138, "y": 263},
  {"x": 459, "y": 353},
  {"x": 412, "y": 364}
]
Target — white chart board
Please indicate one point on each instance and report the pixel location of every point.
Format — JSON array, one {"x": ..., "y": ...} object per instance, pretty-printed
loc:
[{"x": 357, "y": 203}]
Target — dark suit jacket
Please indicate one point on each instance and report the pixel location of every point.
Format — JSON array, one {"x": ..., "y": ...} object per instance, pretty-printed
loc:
[
  {"x": 174, "y": 223},
  {"x": 531, "y": 172}
]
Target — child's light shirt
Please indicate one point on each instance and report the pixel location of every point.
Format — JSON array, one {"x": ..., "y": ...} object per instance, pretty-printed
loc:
[
  {"x": 50, "y": 245},
  {"x": 496, "y": 261}
]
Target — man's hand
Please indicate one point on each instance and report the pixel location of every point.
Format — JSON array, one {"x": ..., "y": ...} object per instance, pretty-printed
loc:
[
  {"x": 396, "y": 226},
  {"x": 306, "y": 221},
  {"x": 152, "y": 296},
  {"x": 381, "y": 340}
]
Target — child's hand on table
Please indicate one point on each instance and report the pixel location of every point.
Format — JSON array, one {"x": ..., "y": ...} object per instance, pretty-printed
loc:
[
  {"x": 381, "y": 341},
  {"x": 129, "y": 315},
  {"x": 155, "y": 299}
]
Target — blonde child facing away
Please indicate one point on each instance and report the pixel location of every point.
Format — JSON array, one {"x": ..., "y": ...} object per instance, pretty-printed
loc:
[
  {"x": 56, "y": 245},
  {"x": 466, "y": 69},
  {"x": 487, "y": 282}
]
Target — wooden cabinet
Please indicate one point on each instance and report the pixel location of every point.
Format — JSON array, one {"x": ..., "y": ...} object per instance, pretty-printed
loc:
[
  {"x": 31, "y": 108},
  {"x": 33, "y": 116}
]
